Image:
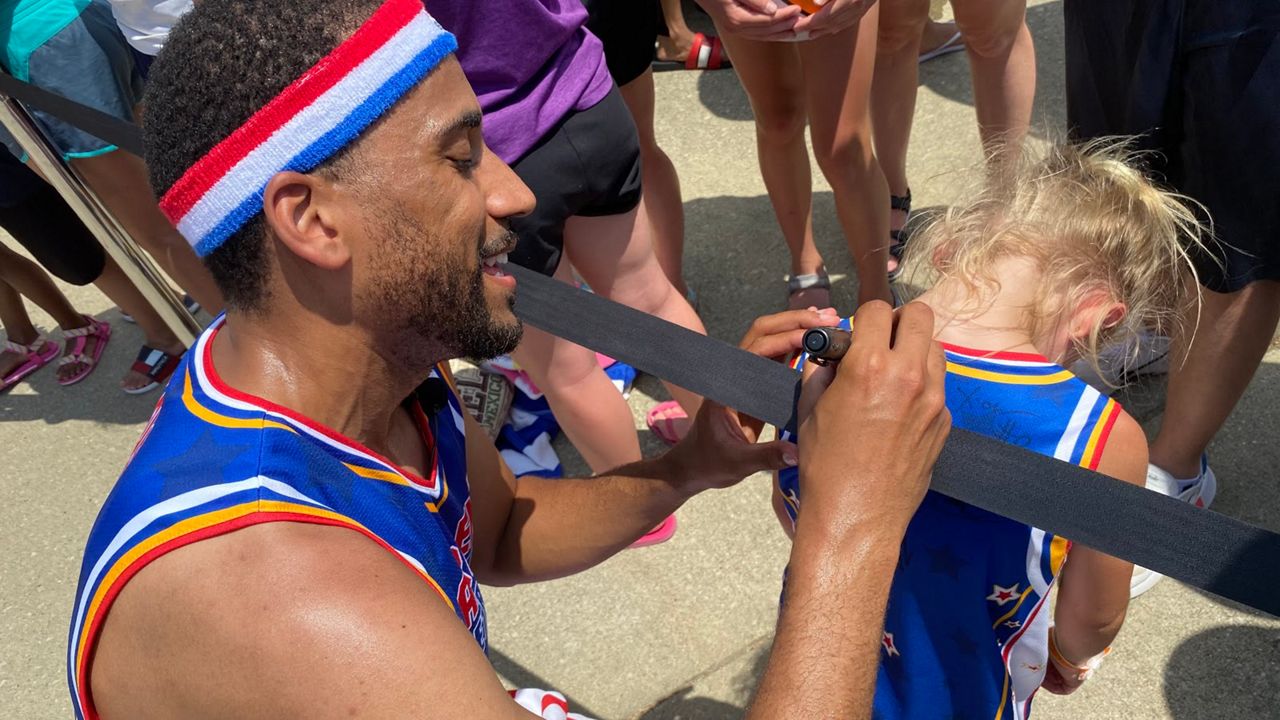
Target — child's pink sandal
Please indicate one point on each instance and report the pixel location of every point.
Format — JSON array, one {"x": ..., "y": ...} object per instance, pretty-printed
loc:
[
  {"x": 664, "y": 420},
  {"x": 35, "y": 356},
  {"x": 79, "y": 337}
]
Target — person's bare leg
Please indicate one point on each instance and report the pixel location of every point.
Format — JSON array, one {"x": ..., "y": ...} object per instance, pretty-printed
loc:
[
  {"x": 120, "y": 290},
  {"x": 771, "y": 74},
  {"x": 1002, "y": 63},
  {"x": 19, "y": 275},
  {"x": 17, "y": 328},
  {"x": 1233, "y": 333},
  {"x": 33, "y": 282},
  {"x": 838, "y": 72},
  {"x": 676, "y": 43},
  {"x": 661, "y": 206},
  {"x": 893, "y": 94},
  {"x": 615, "y": 257},
  {"x": 119, "y": 179},
  {"x": 590, "y": 410}
]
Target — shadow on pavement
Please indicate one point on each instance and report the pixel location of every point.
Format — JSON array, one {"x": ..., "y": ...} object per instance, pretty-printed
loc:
[
  {"x": 521, "y": 677},
  {"x": 948, "y": 76},
  {"x": 1228, "y": 671},
  {"x": 737, "y": 261},
  {"x": 684, "y": 704},
  {"x": 98, "y": 398}
]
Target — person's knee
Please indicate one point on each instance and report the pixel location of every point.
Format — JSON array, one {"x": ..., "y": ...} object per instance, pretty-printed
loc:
[
  {"x": 568, "y": 368},
  {"x": 644, "y": 288},
  {"x": 993, "y": 41},
  {"x": 897, "y": 34},
  {"x": 781, "y": 122},
  {"x": 847, "y": 152}
]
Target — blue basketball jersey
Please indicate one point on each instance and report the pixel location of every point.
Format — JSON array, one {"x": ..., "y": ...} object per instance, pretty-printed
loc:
[
  {"x": 966, "y": 629},
  {"x": 213, "y": 460}
]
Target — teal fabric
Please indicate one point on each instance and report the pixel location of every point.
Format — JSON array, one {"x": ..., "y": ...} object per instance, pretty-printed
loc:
[
  {"x": 25, "y": 25},
  {"x": 84, "y": 59}
]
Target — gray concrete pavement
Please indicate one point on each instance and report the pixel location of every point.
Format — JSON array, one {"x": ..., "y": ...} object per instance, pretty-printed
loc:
[{"x": 678, "y": 630}]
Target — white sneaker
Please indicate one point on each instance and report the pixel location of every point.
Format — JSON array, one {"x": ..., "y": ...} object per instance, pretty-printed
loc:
[
  {"x": 1200, "y": 492},
  {"x": 1146, "y": 354}
]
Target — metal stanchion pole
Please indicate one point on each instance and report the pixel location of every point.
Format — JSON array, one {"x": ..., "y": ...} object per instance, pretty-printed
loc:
[{"x": 113, "y": 238}]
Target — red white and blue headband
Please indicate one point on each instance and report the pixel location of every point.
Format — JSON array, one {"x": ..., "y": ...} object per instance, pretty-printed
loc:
[{"x": 308, "y": 122}]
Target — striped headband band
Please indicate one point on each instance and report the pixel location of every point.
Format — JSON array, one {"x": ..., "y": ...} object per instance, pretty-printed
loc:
[{"x": 308, "y": 122}]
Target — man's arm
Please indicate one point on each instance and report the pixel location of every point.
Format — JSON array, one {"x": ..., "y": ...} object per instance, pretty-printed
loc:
[
  {"x": 318, "y": 622},
  {"x": 531, "y": 528},
  {"x": 867, "y": 450}
]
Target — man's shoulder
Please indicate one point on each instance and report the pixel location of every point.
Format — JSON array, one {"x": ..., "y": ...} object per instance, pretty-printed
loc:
[{"x": 251, "y": 604}]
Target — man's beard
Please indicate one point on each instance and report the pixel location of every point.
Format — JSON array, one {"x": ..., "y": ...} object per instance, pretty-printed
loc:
[{"x": 431, "y": 298}]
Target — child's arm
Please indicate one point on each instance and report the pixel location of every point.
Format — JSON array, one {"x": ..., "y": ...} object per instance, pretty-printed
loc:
[{"x": 1093, "y": 592}]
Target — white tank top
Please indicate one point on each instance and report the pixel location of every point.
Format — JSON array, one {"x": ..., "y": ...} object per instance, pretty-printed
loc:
[{"x": 146, "y": 23}]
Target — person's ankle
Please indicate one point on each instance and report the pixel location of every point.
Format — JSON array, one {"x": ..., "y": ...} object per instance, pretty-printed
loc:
[
  {"x": 169, "y": 345},
  {"x": 74, "y": 322},
  {"x": 26, "y": 336},
  {"x": 1179, "y": 468}
]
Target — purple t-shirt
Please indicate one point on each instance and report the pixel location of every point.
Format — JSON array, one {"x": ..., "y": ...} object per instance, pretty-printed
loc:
[{"x": 530, "y": 62}]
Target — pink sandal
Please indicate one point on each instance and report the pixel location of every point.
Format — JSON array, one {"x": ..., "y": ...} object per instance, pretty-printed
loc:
[
  {"x": 662, "y": 419},
  {"x": 658, "y": 535},
  {"x": 35, "y": 356},
  {"x": 97, "y": 330}
]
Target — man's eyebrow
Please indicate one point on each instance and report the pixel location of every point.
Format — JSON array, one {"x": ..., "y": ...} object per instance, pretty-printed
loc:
[{"x": 466, "y": 121}]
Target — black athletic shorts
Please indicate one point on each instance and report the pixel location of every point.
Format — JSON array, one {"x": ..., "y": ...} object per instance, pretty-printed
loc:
[
  {"x": 41, "y": 221},
  {"x": 589, "y": 166},
  {"x": 1199, "y": 81},
  {"x": 628, "y": 29}
]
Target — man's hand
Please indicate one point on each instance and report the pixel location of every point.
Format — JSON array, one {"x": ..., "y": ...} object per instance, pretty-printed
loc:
[
  {"x": 835, "y": 16},
  {"x": 869, "y": 435},
  {"x": 722, "y": 447},
  {"x": 754, "y": 19},
  {"x": 873, "y": 426}
]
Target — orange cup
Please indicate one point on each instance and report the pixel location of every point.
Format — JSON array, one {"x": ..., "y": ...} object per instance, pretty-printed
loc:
[{"x": 808, "y": 6}]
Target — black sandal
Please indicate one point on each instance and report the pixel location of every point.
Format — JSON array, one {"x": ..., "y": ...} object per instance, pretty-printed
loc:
[
  {"x": 898, "y": 238},
  {"x": 811, "y": 281}
]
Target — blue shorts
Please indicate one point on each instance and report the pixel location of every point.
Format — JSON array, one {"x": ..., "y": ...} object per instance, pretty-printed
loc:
[{"x": 87, "y": 61}]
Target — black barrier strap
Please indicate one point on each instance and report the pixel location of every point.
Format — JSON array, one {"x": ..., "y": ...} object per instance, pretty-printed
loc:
[
  {"x": 1224, "y": 556},
  {"x": 1219, "y": 554},
  {"x": 124, "y": 135}
]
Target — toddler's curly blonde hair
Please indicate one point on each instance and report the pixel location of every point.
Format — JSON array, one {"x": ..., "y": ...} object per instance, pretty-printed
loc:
[{"x": 1090, "y": 220}]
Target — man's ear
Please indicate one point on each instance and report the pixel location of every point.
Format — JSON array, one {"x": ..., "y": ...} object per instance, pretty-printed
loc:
[{"x": 302, "y": 212}]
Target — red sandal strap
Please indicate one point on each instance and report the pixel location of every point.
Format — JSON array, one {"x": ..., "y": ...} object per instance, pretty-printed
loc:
[
  {"x": 717, "y": 52},
  {"x": 155, "y": 364},
  {"x": 695, "y": 52}
]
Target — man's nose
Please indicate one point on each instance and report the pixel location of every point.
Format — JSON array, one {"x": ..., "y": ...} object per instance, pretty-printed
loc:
[{"x": 506, "y": 195}]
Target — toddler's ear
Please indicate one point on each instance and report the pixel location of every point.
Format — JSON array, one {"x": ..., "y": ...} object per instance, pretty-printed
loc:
[
  {"x": 1115, "y": 315},
  {"x": 1096, "y": 309}
]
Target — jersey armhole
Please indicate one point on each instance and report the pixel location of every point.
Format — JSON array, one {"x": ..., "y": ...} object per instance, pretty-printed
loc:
[{"x": 267, "y": 511}]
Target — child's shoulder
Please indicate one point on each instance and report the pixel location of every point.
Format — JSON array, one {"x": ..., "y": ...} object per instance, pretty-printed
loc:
[{"x": 1125, "y": 454}]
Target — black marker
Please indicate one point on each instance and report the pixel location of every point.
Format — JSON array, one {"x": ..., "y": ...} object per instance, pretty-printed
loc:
[{"x": 827, "y": 345}]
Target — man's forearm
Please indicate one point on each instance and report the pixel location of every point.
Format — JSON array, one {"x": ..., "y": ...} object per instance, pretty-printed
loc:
[
  {"x": 559, "y": 527},
  {"x": 825, "y": 654}
]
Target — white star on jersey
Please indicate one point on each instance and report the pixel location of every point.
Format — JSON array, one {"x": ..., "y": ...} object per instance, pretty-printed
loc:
[{"x": 1001, "y": 595}]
